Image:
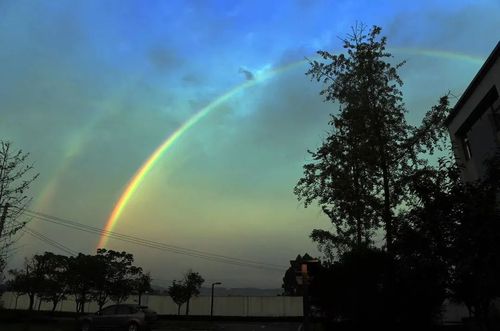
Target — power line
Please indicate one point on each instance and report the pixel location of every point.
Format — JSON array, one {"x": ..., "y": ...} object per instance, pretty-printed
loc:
[
  {"x": 153, "y": 244},
  {"x": 49, "y": 241}
]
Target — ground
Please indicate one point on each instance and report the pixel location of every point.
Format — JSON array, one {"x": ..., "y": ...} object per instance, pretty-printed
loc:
[{"x": 166, "y": 325}]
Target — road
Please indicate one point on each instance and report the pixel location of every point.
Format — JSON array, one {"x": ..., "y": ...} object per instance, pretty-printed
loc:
[
  {"x": 275, "y": 326},
  {"x": 203, "y": 326}
]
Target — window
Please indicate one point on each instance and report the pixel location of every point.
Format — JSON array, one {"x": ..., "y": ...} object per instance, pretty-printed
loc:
[
  {"x": 123, "y": 310},
  {"x": 466, "y": 148},
  {"x": 108, "y": 310}
]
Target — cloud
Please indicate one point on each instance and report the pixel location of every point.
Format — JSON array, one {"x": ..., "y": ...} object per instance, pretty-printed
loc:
[
  {"x": 248, "y": 74},
  {"x": 163, "y": 58},
  {"x": 456, "y": 29}
]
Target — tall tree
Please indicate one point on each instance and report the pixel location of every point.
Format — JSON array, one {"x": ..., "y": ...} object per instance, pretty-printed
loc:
[
  {"x": 357, "y": 176},
  {"x": 16, "y": 176}
]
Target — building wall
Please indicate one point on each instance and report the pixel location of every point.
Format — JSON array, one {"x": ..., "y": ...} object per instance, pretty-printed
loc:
[
  {"x": 483, "y": 135},
  {"x": 279, "y": 306}
]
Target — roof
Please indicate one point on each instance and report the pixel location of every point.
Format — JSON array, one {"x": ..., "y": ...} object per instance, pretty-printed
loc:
[{"x": 474, "y": 83}]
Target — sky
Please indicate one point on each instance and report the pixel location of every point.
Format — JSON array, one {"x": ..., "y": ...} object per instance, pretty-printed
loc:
[{"x": 91, "y": 89}]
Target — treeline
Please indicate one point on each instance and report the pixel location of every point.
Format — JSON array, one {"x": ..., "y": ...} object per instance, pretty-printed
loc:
[{"x": 106, "y": 276}]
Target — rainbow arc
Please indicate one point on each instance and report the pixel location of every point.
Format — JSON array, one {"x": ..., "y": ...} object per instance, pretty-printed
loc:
[{"x": 171, "y": 139}]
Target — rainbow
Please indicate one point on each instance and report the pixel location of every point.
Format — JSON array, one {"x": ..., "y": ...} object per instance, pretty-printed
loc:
[
  {"x": 76, "y": 143},
  {"x": 142, "y": 172},
  {"x": 150, "y": 162}
]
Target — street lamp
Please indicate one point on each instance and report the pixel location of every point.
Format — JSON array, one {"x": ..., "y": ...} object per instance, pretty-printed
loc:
[{"x": 212, "y": 299}]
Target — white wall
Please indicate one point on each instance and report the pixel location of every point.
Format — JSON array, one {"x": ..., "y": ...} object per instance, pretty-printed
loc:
[{"x": 278, "y": 306}]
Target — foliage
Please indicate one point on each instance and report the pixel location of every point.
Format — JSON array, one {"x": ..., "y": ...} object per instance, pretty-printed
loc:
[
  {"x": 371, "y": 173},
  {"x": 16, "y": 176},
  {"x": 290, "y": 286},
  {"x": 81, "y": 279},
  {"x": 29, "y": 281},
  {"x": 352, "y": 287},
  {"x": 117, "y": 274},
  {"x": 423, "y": 244},
  {"x": 53, "y": 287},
  {"x": 358, "y": 174},
  {"x": 476, "y": 245},
  {"x": 192, "y": 282},
  {"x": 106, "y": 275},
  {"x": 182, "y": 292},
  {"x": 179, "y": 294},
  {"x": 142, "y": 284}
]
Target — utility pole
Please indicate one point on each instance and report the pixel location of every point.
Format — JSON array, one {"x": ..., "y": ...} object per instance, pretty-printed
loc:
[
  {"x": 3, "y": 218},
  {"x": 212, "y": 299}
]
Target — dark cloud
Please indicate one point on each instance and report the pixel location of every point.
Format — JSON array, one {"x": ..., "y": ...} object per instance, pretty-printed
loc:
[{"x": 248, "y": 74}]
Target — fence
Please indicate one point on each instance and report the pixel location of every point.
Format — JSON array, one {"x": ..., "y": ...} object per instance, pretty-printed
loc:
[{"x": 279, "y": 306}]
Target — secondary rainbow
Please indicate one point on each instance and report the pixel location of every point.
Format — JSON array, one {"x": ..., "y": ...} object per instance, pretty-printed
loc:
[
  {"x": 150, "y": 162},
  {"x": 140, "y": 174}
]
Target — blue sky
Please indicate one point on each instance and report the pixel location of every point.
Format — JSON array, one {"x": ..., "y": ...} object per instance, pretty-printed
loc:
[{"x": 91, "y": 88}]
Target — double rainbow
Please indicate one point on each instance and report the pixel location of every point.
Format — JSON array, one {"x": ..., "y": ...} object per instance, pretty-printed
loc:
[{"x": 160, "y": 151}]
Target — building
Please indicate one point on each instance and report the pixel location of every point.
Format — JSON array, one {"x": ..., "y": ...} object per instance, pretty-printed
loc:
[{"x": 474, "y": 122}]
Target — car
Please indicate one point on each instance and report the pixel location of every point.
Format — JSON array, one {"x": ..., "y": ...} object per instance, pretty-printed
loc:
[{"x": 129, "y": 317}]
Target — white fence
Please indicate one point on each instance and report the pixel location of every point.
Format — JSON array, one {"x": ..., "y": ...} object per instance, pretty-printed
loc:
[{"x": 278, "y": 306}]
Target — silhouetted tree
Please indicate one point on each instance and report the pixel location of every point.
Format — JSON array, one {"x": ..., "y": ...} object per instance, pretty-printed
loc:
[
  {"x": 16, "y": 176},
  {"x": 290, "y": 286},
  {"x": 352, "y": 288},
  {"x": 358, "y": 173},
  {"x": 476, "y": 245},
  {"x": 179, "y": 294},
  {"x": 116, "y": 277},
  {"x": 30, "y": 280},
  {"x": 192, "y": 283},
  {"x": 81, "y": 277},
  {"x": 142, "y": 284},
  {"x": 53, "y": 287},
  {"x": 423, "y": 245}
]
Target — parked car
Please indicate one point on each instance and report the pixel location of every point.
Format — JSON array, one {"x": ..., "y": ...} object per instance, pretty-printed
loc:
[{"x": 127, "y": 317}]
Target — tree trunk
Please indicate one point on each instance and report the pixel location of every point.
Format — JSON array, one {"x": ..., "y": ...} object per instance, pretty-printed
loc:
[
  {"x": 187, "y": 307},
  {"x": 387, "y": 209},
  {"x": 359, "y": 227},
  {"x": 32, "y": 301},
  {"x": 179, "y": 309},
  {"x": 39, "y": 303},
  {"x": 140, "y": 297},
  {"x": 54, "y": 305}
]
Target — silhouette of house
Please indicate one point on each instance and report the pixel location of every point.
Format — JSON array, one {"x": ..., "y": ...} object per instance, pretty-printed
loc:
[
  {"x": 474, "y": 123},
  {"x": 302, "y": 266}
]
